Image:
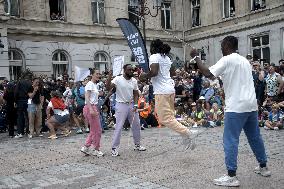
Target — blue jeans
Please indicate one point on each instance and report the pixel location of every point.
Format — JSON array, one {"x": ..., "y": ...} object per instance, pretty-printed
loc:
[{"x": 234, "y": 123}]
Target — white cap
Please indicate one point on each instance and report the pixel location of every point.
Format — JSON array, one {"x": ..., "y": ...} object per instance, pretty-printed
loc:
[{"x": 201, "y": 98}]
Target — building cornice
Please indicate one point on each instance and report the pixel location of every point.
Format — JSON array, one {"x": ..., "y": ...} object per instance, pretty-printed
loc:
[
  {"x": 67, "y": 29},
  {"x": 234, "y": 25}
]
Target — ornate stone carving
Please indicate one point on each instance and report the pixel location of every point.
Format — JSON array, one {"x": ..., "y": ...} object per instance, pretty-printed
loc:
[{"x": 2, "y": 11}]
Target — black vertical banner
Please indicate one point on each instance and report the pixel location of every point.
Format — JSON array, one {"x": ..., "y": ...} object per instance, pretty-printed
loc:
[{"x": 135, "y": 42}]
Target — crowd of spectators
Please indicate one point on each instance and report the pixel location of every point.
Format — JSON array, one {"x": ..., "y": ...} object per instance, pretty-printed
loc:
[{"x": 37, "y": 102}]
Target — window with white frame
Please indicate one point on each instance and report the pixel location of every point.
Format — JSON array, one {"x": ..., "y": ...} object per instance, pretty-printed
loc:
[
  {"x": 260, "y": 47},
  {"x": 60, "y": 63},
  {"x": 195, "y": 6},
  {"x": 15, "y": 64},
  {"x": 257, "y": 4},
  {"x": 12, "y": 7},
  {"x": 57, "y": 9},
  {"x": 101, "y": 62},
  {"x": 166, "y": 16},
  {"x": 133, "y": 11},
  {"x": 98, "y": 11},
  {"x": 228, "y": 8}
]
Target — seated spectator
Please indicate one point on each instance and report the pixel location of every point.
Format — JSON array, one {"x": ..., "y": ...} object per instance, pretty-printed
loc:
[
  {"x": 267, "y": 104},
  {"x": 146, "y": 115},
  {"x": 207, "y": 91},
  {"x": 275, "y": 121},
  {"x": 199, "y": 116},
  {"x": 216, "y": 115},
  {"x": 59, "y": 120},
  {"x": 218, "y": 98}
]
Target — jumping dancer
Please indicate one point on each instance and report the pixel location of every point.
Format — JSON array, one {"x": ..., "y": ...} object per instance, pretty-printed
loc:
[
  {"x": 161, "y": 70},
  {"x": 126, "y": 107},
  {"x": 92, "y": 115},
  {"x": 240, "y": 111}
]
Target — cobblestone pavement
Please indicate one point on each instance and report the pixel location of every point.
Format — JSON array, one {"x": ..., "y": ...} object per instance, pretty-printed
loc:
[{"x": 43, "y": 163}]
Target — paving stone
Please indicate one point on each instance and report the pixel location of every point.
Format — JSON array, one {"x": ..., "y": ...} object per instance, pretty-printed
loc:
[{"x": 42, "y": 163}]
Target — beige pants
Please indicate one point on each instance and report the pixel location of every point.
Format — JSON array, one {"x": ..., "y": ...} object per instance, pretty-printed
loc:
[
  {"x": 165, "y": 108},
  {"x": 35, "y": 119}
]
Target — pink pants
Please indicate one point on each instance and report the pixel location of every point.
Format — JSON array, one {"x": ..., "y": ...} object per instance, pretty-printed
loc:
[{"x": 94, "y": 136}]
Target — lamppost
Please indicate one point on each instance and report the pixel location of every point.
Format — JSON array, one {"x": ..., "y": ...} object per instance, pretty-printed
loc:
[{"x": 144, "y": 10}]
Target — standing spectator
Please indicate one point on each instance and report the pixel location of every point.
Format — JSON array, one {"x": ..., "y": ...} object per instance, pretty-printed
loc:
[
  {"x": 266, "y": 66},
  {"x": 274, "y": 83},
  {"x": 79, "y": 102},
  {"x": 3, "y": 126},
  {"x": 259, "y": 82},
  {"x": 21, "y": 99},
  {"x": 35, "y": 107},
  {"x": 10, "y": 107},
  {"x": 197, "y": 85},
  {"x": 47, "y": 97},
  {"x": 1, "y": 95}
]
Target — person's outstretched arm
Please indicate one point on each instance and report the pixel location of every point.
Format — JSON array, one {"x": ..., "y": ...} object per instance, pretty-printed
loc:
[{"x": 203, "y": 69}]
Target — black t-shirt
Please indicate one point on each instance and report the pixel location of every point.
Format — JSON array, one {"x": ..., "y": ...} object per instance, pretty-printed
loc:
[
  {"x": 22, "y": 88},
  {"x": 179, "y": 89},
  {"x": 38, "y": 94}
]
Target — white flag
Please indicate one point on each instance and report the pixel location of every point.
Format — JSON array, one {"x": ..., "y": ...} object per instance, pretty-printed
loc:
[
  {"x": 81, "y": 73},
  {"x": 117, "y": 66}
]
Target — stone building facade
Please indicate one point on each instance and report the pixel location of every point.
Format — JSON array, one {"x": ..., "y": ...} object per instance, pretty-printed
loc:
[
  {"x": 52, "y": 36},
  {"x": 258, "y": 24}
]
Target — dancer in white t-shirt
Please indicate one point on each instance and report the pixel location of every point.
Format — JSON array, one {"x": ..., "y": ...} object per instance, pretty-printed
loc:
[
  {"x": 161, "y": 71},
  {"x": 126, "y": 107},
  {"x": 91, "y": 113},
  {"x": 241, "y": 108}
]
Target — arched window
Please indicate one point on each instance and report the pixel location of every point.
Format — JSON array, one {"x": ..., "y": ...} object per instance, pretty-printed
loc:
[
  {"x": 101, "y": 62},
  {"x": 60, "y": 63},
  {"x": 15, "y": 64},
  {"x": 12, "y": 7}
]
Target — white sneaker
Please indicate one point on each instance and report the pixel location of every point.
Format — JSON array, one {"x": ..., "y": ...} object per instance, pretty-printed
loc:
[
  {"x": 52, "y": 137},
  {"x": 139, "y": 148},
  {"x": 79, "y": 131},
  {"x": 276, "y": 128},
  {"x": 227, "y": 181},
  {"x": 30, "y": 136},
  {"x": 19, "y": 136},
  {"x": 194, "y": 126},
  {"x": 188, "y": 143},
  {"x": 87, "y": 130},
  {"x": 266, "y": 128},
  {"x": 262, "y": 171},
  {"x": 114, "y": 152},
  {"x": 85, "y": 150},
  {"x": 97, "y": 153}
]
